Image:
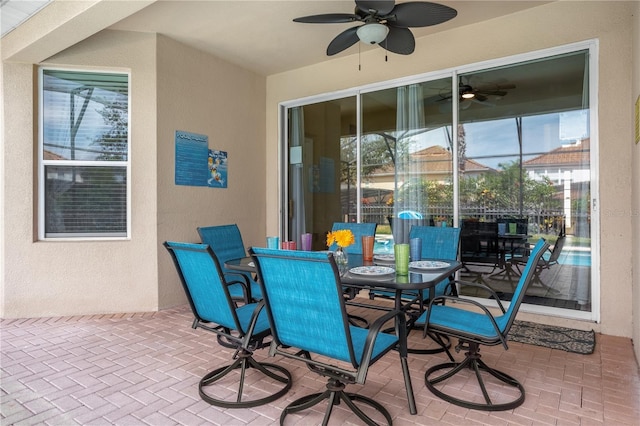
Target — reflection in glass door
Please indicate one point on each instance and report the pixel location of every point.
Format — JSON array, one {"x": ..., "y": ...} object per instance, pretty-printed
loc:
[
  {"x": 508, "y": 154},
  {"x": 525, "y": 151}
]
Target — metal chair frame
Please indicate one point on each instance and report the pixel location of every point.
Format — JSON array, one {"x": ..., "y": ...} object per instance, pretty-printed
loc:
[
  {"x": 245, "y": 336},
  {"x": 474, "y": 329},
  {"x": 226, "y": 242},
  {"x": 292, "y": 340}
]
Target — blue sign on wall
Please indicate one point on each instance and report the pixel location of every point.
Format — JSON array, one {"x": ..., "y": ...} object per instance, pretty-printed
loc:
[
  {"x": 191, "y": 159},
  {"x": 217, "y": 169},
  {"x": 196, "y": 164}
]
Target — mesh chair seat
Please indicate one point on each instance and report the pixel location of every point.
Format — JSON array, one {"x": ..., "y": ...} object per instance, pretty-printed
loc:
[{"x": 243, "y": 329}]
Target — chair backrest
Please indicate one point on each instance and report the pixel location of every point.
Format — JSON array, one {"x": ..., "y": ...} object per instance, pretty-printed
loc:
[
  {"x": 505, "y": 321},
  {"x": 225, "y": 241},
  {"x": 438, "y": 243},
  {"x": 304, "y": 301},
  {"x": 201, "y": 276},
  {"x": 480, "y": 239},
  {"x": 359, "y": 230},
  {"x": 522, "y": 224},
  {"x": 557, "y": 249}
]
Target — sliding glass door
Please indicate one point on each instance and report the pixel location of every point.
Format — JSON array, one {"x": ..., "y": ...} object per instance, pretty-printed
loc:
[{"x": 502, "y": 149}]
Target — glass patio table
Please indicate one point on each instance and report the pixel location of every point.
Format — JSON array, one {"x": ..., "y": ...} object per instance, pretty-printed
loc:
[{"x": 359, "y": 275}]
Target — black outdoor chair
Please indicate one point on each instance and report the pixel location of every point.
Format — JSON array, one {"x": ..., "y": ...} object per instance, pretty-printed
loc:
[
  {"x": 306, "y": 308},
  {"x": 479, "y": 246},
  {"x": 446, "y": 316},
  {"x": 243, "y": 329}
]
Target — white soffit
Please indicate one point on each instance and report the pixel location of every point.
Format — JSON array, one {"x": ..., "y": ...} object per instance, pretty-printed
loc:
[{"x": 15, "y": 12}]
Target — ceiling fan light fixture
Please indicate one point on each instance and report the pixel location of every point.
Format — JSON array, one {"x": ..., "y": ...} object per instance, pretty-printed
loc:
[
  {"x": 372, "y": 33},
  {"x": 468, "y": 95}
]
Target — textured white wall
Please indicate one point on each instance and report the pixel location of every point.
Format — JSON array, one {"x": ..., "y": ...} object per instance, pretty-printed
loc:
[
  {"x": 635, "y": 187},
  {"x": 546, "y": 26}
]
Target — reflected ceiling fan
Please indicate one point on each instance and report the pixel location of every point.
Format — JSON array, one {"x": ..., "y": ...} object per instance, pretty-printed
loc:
[
  {"x": 384, "y": 23},
  {"x": 467, "y": 92}
]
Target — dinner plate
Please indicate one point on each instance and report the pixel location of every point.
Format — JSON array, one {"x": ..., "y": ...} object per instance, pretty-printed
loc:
[
  {"x": 428, "y": 264},
  {"x": 372, "y": 270},
  {"x": 384, "y": 257}
]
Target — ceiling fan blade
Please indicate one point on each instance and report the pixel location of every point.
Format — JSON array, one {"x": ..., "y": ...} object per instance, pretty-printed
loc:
[
  {"x": 342, "y": 41},
  {"x": 399, "y": 40},
  {"x": 420, "y": 14},
  {"x": 328, "y": 18},
  {"x": 480, "y": 97},
  {"x": 381, "y": 7},
  {"x": 493, "y": 92}
]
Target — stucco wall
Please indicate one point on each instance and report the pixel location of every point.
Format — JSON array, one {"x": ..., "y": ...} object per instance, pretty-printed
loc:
[
  {"x": 202, "y": 94},
  {"x": 542, "y": 27},
  {"x": 635, "y": 216},
  {"x": 173, "y": 87},
  {"x": 72, "y": 278}
]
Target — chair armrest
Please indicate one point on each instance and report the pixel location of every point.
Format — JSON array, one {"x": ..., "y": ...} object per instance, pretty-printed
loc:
[
  {"x": 243, "y": 280},
  {"x": 468, "y": 302},
  {"x": 374, "y": 330}
]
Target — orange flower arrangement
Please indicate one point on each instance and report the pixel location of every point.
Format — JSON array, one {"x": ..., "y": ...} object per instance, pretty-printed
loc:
[{"x": 342, "y": 237}]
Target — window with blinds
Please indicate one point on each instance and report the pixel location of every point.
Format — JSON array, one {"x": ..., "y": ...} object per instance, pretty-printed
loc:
[{"x": 84, "y": 154}]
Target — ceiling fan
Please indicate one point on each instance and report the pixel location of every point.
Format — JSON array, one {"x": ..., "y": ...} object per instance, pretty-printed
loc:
[
  {"x": 384, "y": 23},
  {"x": 479, "y": 93}
]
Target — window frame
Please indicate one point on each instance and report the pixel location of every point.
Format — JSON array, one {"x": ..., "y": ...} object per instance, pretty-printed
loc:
[{"x": 42, "y": 163}]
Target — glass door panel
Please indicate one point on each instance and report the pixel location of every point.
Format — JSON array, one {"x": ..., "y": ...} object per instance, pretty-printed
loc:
[
  {"x": 525, "y": 174},
  {"x": 407, "y": 160},
  {"x": 315, "y": 167}
]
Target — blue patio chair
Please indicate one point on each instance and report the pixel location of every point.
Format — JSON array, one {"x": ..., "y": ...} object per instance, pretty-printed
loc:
[
  {"x": 359, "y": 230},
  {"x": 304, "y": 302},
  {"x": 437, "y": 243},
  {"x": 241, "y": 328},
  {"x": 226, "y": 243},
  {"x": 474, "y": 328}
]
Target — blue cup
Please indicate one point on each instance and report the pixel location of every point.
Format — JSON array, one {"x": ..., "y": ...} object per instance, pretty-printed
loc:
[
  {"x": 273, "y": 242},
  {"x": 415, "y": 249}
]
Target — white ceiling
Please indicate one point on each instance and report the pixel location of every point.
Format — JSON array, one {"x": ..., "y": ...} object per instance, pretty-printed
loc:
[
  {"x": 261, "y": 35},
  {"x": 258, "y": 35}
]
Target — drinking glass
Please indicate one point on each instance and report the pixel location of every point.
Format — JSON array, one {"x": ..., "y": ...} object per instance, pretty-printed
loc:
[
  {"x": 273, "y": 242},
  {"x": 305, "y": 241},
  {"x": 367, "y": 247},
  {"x": 415, "y": 248},
  {"x": 401, "y": 253}
]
